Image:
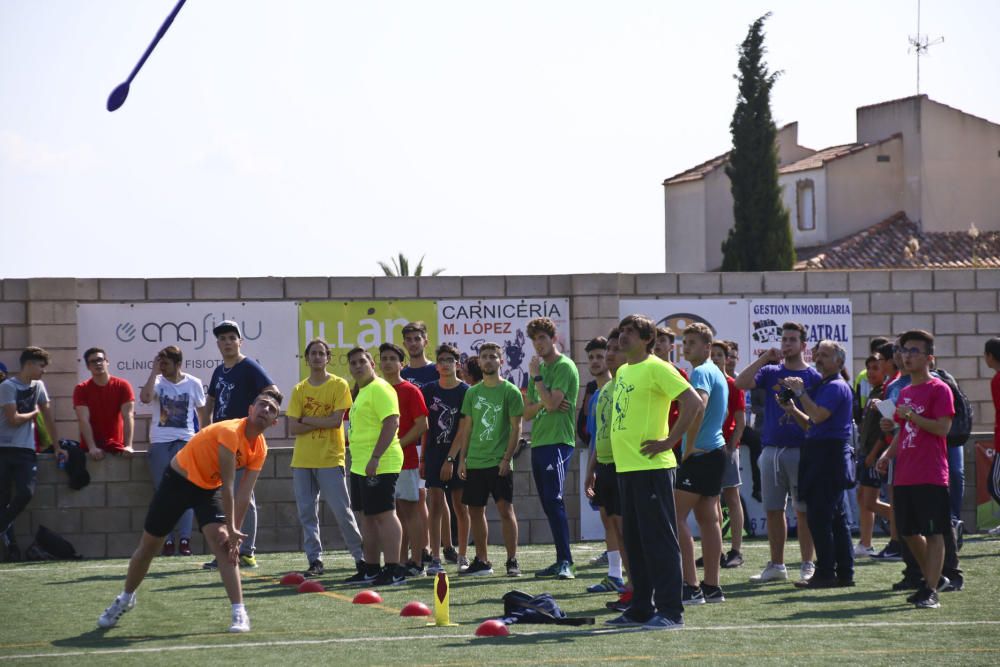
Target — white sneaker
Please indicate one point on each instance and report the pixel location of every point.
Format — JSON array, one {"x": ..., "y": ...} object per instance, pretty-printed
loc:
[
  {"x": 861, "y": 551},
  {"x": 807, "y": 570},
  {"x": 111, "y": 615},
  {"x": 241, "y": 622},
  {"x": 772, "y": 572},
  {"x": 995, "y": 530},
  {"x": 463, "y": 564},
  {"x": 435, "y": 567}
]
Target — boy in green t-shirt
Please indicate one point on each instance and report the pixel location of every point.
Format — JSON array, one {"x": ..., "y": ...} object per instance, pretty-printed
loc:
[
  {"x": 551, "y": 404},
  {"x": 316, "y": 419},
  {"x": 487, "y": 438}
]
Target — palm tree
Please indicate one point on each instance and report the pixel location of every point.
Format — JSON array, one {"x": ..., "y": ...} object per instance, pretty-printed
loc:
[{"x": 400, "y": 267}]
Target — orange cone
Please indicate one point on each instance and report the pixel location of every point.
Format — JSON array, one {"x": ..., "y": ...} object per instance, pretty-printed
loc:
[
  {"x": 292, "y": 579},
  {"x": 415, "y": 609},
  {"x": 367, "y": 597},
  {"x": 311, "y": 587},
  {"x": 492, "y": 628}
]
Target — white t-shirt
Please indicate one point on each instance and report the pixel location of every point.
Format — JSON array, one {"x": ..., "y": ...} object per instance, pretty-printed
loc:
[{"x": 174, "y": 420}]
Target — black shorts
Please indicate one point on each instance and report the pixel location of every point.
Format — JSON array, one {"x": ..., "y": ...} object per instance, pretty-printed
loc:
[
  {"x": 868, "y": 476},
  {"x": 702, "y": 473},
  {"x": 373, "y": 495},
  {"x": 481, "y": 483},
  {"x": 922, "y": 509},
  {"x": 177, "y": 495},
  {"x": 434, "y": 458},
  {"x": 606, "y": 489}
]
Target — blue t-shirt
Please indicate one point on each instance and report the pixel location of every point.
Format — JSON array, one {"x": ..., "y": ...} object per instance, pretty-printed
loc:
[
  {"x": 445, "y": 412},
  {"x": 837, "y": 397},
  {"x": 25, "y": 398},
  {"x": 896, "y": 386},
  {"x": 780, "y": 430},
  {"x": 709, "y": 379},
  {"x": 422, "y": 376},
  {"x": 234, "y": 389}
]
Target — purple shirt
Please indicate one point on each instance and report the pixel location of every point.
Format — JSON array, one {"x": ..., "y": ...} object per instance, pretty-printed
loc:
[
  {"x": 780, "y": 429},
  {"x": 836, "y": 396}
]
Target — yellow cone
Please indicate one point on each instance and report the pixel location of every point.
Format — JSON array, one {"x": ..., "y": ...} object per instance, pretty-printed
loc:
[{"x": 442, "y": 616}]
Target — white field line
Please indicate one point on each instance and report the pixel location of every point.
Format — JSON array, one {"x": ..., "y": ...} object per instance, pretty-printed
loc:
[{"x": 350, "y": 640}]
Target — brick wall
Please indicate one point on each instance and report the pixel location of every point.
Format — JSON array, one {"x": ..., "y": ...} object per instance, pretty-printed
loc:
[{"x": 960, "y": 306}]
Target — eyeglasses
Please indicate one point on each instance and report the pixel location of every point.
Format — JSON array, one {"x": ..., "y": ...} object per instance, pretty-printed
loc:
[
  {"x": 911, "y": 351},
  {"x": 98, "y": 360},
  {"x": 446, "y": 360}
]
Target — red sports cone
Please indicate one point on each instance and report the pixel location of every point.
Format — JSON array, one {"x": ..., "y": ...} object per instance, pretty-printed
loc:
[
  {"x": 367, "y": 597},
  {"x": 415, "y": 609},
  {"x": 292, "y": 579},
  {"x": 311, "y": 587},
  {"x": 492, "y": 628}
]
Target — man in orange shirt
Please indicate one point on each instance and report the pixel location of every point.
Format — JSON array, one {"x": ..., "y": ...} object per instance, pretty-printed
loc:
[{"x": 204, "y": 466}]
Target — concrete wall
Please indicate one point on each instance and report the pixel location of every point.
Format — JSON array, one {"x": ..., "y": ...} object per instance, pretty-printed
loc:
[{"x": 960, "y": 306}]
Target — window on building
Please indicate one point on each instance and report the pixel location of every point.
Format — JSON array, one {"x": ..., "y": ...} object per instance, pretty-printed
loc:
[{"x": 805, "y": 205}]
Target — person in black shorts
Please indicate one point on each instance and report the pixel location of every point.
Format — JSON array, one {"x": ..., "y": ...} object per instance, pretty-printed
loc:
[{"x": 441, "y": 450}]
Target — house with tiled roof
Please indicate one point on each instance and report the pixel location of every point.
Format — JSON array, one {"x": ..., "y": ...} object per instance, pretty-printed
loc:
[{"x": 919, "y": 171}]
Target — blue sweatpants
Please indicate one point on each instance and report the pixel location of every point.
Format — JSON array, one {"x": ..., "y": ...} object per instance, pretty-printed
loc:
[{"x": 548, "y": 466}]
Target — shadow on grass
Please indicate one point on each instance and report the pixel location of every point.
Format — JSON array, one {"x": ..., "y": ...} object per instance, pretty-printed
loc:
[
  {"x": 563, "y": 636},
  {"x": 104, "y": 638},
  {"x": 115, "y": 577}
]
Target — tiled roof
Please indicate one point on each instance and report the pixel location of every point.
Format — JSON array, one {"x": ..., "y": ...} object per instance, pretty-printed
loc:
[
  {"x": 819, "y": 158},
  {"x": 898, "y": 243},
  {"x": 698, "y": 172}
]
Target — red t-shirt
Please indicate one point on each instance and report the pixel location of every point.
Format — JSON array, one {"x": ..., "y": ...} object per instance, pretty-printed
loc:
[
  {"x": 411, "y": 406},
  {"x": 675, "y": 409},
  {"x": 922, "y": 457},
  {"x": 995, "y": 392},
  {"x": 105, "y": 405},
  {"x": 737, "y": 403}
]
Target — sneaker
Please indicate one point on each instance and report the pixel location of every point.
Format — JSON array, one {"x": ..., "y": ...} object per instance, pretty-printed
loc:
[
  {"x": 463, "y": 564},
  {"x": 111, "y": 615},
  {"x": 566, "y": 570},
  {"x": 363, "y": 576},
  {"x": 626, "y": 621},
  {"x": 315, "y": 569},
  {"x": 807, "y": 570},
  {"x": 861, "y": 551},
  {"x": 248, "y": 561},
  {"x": 929, "y": 600},
  {"x": 241, "y": 622},
  {"x": 549, "y": 572},
  {"x": 906, "y": 584},
  {"x": 732, "y": 559},
  {"x": 478, "y": 568},
  {"x": 701, "y": 561},
  {"x": 608, "y": 584},
  {"x": 890, "y": 553},
  {"x": 815, "y": 582},
  {"x": 771, "y": 572},
  {"x": 425, "y": 558},
  {"x": 168, "y": 548},
  {"x": 994, "y": 531},
  {"x": 712, "y": 593},
  {"x": 600, "y": 560},
  {"x": 513, "y": 569},
  {"x": 950, "y": 585},
  {"x": 662, "y": 623},
  {"x": 622, "y": 603},
  {"x": 413, "y": 569},
  {"x": 435, "y": 567},
  {"x": 391, "y": 575},
  {"x": 210, "y": 565},
  {"x": 692, "y": 595},
  {"x": 184, "y": 548},
  {"x": 959, "y": 527},
  {"x": 450, "y": 555}
]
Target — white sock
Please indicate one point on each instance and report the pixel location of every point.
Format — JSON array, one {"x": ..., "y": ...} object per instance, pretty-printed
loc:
[
  {"x": 239, "y": 607},
  {"x": 127, "y": 597},
  {"x": 615, "y": 564}
]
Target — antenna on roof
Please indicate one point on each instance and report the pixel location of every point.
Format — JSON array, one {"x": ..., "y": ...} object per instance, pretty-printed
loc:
[{"x": 920, "y": 44}]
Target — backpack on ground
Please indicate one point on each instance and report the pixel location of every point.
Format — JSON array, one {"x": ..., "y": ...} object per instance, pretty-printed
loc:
[
  {"x": 50, "y": 545},
  {"x": 961, "y": 423},
  {"x": 521, "y": 607}
]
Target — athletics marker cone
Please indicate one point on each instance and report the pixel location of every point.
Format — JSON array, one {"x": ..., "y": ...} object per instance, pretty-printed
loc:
[
  {"x": 415, "y": 608},
  {"x": 367, "y": 597},
  {"x": 292, "y": 579},
  {"x": 311, "y": 586},
  {"x": 492, "y": 628},
  {"x": 442, "y": 616}
]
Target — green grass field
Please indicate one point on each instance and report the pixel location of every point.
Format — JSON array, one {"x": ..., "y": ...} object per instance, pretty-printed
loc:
[{"x": 49, "y": 611}]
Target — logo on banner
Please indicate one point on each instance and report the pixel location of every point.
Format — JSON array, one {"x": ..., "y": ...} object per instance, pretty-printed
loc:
[
  {"x": 766, "y": 331},
  {"x": 170, "y": 332}
]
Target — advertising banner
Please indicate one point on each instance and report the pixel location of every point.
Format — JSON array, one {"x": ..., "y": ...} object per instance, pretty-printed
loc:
[
  {"x": 987, "y": 511},
  {"x": 133, "y": 333},
  {"x": 824, "y": 319},
  {"x": 727, "y": 318},
  {"x": 367, "y": 324},
  {"x": 467, "y": 324}
]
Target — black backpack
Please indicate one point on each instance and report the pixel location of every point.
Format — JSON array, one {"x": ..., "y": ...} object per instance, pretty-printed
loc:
[
  {"x": 50, "y": 545},
  {"x": 961, "y": 423}
]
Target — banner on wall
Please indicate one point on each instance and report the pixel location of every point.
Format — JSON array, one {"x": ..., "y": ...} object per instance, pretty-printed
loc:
[
  {"x": 824, "y": 319},
  {"x": 727, "y": 318},
  {"x": 367, "y": 324},
  {"x": 987, "y": 511},
  {"x": 467, "y": 324},
  {"x": 133, "y": 333}
]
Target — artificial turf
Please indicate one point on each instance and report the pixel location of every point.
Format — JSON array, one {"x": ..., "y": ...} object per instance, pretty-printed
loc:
[{"x": 48, "y": 610}]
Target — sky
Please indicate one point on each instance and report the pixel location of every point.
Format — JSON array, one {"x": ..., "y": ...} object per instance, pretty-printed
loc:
[{"x": 316, "y": 137}]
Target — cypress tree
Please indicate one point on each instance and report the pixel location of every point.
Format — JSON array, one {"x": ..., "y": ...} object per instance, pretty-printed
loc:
[{"x": 761, "y": 237}]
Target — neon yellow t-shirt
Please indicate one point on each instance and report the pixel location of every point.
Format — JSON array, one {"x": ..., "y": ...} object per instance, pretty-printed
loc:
[
  {"x": 376, "y": 401},
  {"x": 643, "y": 392},
  {"x": 604, "y": 413},
  {"x": 322, "y": 447}
]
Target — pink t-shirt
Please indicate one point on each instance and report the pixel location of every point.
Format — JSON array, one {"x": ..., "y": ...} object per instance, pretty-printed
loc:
[{"x": 922, "y": 458}]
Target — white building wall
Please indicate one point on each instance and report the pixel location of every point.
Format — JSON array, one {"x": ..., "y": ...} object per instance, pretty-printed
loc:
[
  {"x": 718, "y": 217},
  {"x": 875, "y": 123},
  {"x": 861, "y": 191},
  {"x": 685, "y": 226},
  {"x": 789, "y": 190}
]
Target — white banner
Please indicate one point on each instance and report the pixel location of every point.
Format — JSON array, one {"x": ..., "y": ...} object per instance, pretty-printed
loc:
[
  {"x": 824, "y": 319},
  {"x": 467, "y": 324},
  {"x": 727, "y": 318},
  {"x": 133, "y": 333}
]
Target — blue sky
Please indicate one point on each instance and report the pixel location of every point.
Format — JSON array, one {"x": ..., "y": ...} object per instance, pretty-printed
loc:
[{"x": 316, "y": 137}]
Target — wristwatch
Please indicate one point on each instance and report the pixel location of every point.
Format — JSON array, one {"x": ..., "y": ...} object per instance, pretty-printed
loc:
[
  {"x": 537, "y": 378},
  {"x": 450, "y": 459}
]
